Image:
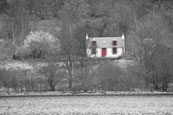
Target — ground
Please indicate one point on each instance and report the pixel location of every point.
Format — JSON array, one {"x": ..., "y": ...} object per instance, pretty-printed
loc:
[{"x": 88, "y": 105}]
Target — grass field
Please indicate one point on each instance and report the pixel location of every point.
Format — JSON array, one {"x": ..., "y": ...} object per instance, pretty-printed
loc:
[{"x": 87, "y": 105}]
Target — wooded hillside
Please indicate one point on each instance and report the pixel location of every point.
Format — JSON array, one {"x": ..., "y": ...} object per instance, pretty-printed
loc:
[{"x": 65, "y": 19}]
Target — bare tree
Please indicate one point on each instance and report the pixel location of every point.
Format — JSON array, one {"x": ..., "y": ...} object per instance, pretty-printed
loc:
[
  {"x": 67, "y": 37},
  {"x": 152, "y": 36},
  {"x": 53, "y": 74}
]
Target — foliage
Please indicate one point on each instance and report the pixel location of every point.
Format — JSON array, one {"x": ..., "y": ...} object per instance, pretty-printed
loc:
[
  {"x": 3, "y": 6},
  {"x": 80, "y": 35},
  {"x": 152, "y": 50},
  {"x": 6, "y": 50},
  {"x": 53, "y": 74},
  {"x": 83, "y": 73},
  {"x": 10, "y": 79},
  {"x": 108, "y": 76},
  {"x": 42, "y": 42}
]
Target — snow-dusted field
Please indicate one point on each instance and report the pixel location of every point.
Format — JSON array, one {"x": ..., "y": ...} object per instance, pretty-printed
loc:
[{"x": 87, "y": 105}]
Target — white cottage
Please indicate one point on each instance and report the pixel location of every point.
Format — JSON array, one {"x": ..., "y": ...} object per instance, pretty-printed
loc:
[{"x": 108, "y": 47}]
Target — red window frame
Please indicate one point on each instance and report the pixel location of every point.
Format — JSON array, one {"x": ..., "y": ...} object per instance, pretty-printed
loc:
[
  {"x": 93, "y": 51},
  {"x": 114, "y": 43},
  {"x": 93, "y": 43},
  {"x": 114, "y": 50}
]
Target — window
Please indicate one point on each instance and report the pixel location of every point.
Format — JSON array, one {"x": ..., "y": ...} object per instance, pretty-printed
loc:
[
  {"x": 114, "y": 50},
  {"x": 93, "y": 50},
  {"x": 93, "y": 43},
  {"x": 114, "y": 43}
]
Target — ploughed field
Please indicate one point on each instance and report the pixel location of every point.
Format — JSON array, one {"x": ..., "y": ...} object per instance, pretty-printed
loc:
[{"x": 87, "y": 105}]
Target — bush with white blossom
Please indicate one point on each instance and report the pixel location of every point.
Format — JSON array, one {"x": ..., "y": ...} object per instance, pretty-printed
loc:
[{"x": 42, "y": 41}]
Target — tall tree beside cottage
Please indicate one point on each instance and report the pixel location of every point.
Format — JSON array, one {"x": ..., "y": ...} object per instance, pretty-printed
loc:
[
  {"x": 70, "y": 16},
  {"x": 152, "y": 36}
]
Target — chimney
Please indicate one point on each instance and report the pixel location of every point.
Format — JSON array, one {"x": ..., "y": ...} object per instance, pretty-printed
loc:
[
  {"x": 87, "y": 37},
  {"x": 123, "y": 37}
]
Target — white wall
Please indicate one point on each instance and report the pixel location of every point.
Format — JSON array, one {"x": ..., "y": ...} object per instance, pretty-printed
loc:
[{"x": 108, "y": 53}]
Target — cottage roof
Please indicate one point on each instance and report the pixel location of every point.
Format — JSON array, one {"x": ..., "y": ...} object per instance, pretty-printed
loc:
[{"x": 106, "y": 42}]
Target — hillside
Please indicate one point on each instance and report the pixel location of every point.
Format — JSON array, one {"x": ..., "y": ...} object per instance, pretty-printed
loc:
[{"x": 81, "y": 17}]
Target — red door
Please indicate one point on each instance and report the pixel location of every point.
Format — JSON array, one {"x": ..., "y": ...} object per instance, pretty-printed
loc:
[{"x": 103, "y": 51}]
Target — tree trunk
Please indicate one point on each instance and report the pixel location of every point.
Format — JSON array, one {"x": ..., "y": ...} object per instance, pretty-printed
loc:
[
  {"x": 52, "y": 87},
  {"x": 164, "y": 86},
  {"x": 155, "y": 85},
  {"x": 69, "y": 67},
  {"x": 70, "y": 80},
  {"x": 83, "y": 86}
]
